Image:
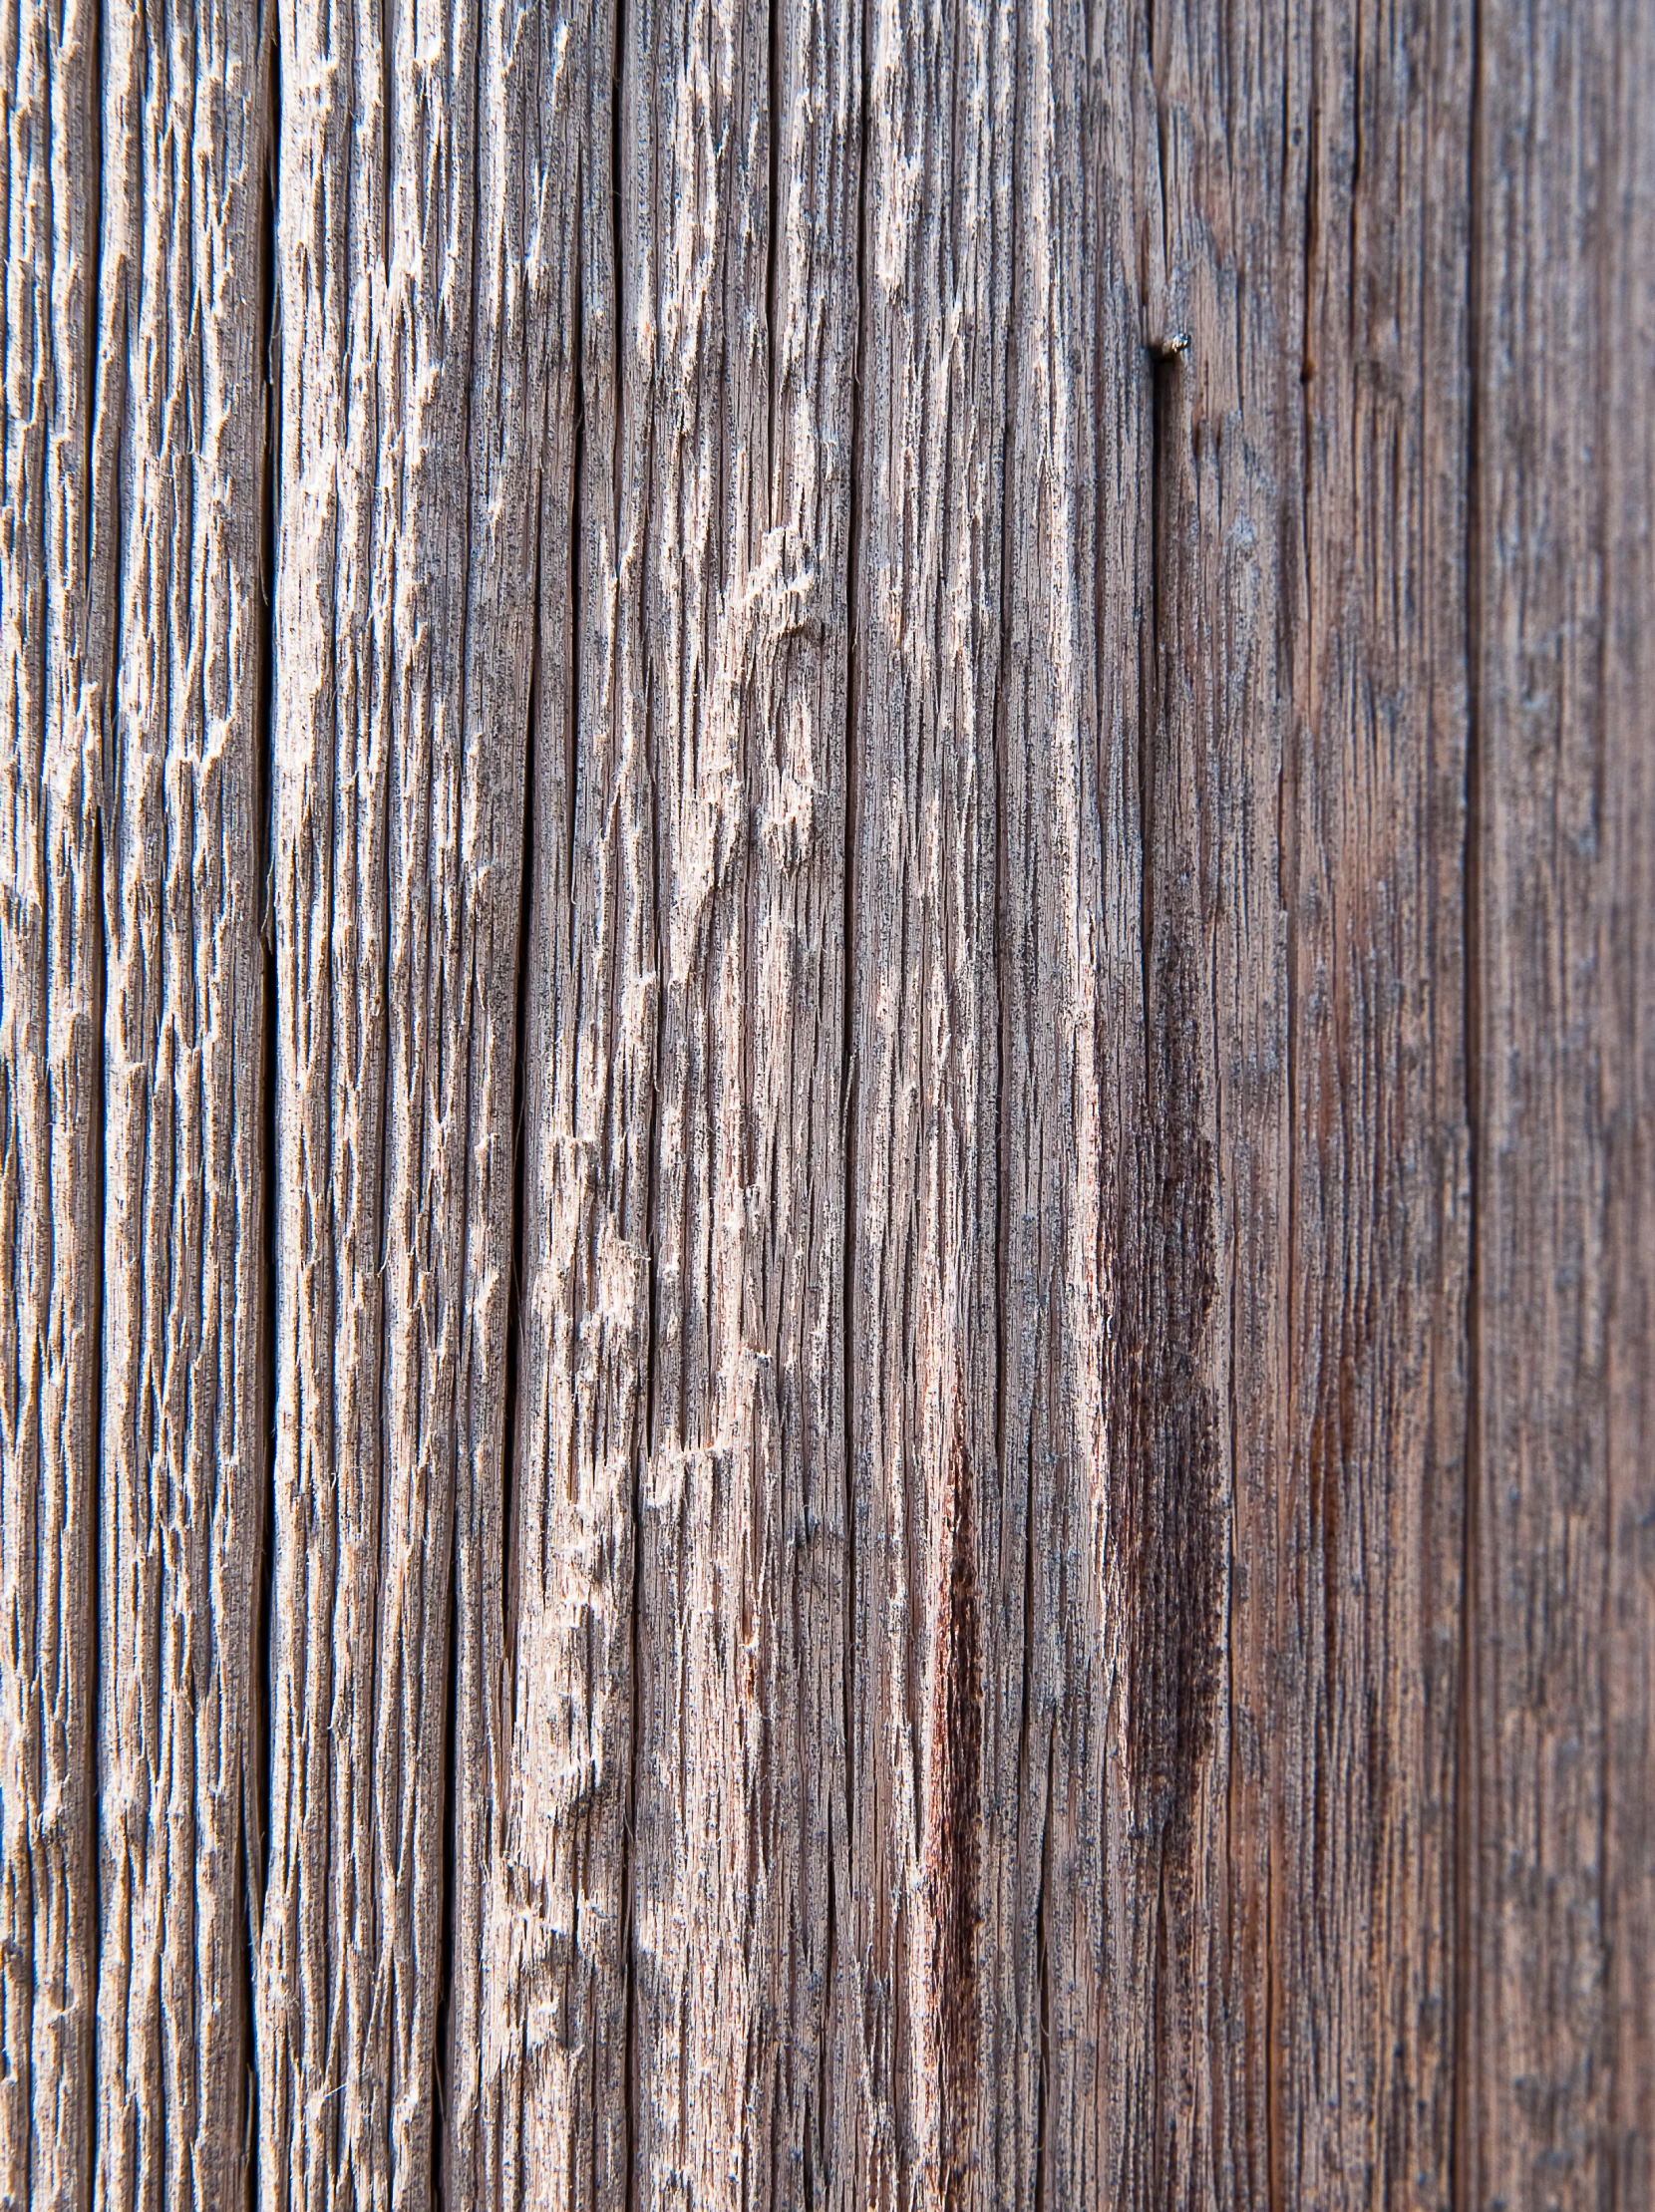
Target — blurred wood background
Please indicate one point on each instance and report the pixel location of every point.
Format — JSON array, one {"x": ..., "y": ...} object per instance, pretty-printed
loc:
[{"x": 827, "y": 1105}]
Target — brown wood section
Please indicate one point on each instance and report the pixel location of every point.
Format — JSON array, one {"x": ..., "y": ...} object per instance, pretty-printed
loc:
[
  {"x": 826, "y": 1111},
  {"x": 1559, "y": 2033}
]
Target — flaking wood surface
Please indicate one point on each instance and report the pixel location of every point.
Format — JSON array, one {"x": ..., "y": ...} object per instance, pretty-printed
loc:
[{"x": 825, "y": 1115}]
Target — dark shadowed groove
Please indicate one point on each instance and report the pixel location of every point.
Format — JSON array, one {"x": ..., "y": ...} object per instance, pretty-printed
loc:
[
  {"x": 652, "y": 1202},
  {"x": 95, "y": 262},
  {"x": 652, "y": 1199},
  {"x": 1006, "y": 924},
  {"x": 999, "y": 931},
  {"x": 388, "y": 132},
  {"x": 1043, "y": 1980},
  {"x": 1352, "y": 260},
  {"x": 97, "y": 1173},
  {"x": 97, "y": 1163},
  {"x": 617, "y": 242},
  {"x": 629, "y": 1830},
  {"x": 847, "y": 1037},
  {"x": 450, "y": 1815},
  {"x": 256, "y": 1778},
  {"x": 629, "y": 1837},
  {"x": 1279, "y": 2069},
  {"x": 773, "y": 133},
  {"x": 1170, "y": 1542},
  {"x": 1471, "y": 891},
  {"x": 817, "y": 2149},
  {"x": 392, "y": 786},
  {"x": 1027, "y": 1696},
  {"x": 1310, "y": 247},
  {"x": 473, "y": 1009},
  {"x": 510, "y": 1474},
  {"x": 118, "y": 542},
  {"x": 577, "y": 460},
  {"x": 1163, "y": 366},
  {"x": 957, "y": 1750}
]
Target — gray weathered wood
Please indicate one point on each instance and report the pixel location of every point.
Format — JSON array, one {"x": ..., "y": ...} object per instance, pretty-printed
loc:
[
  {"x": 824, "y": 995},
  {"x": 377, "y": 909},
  {"x": 53, "y": 669},
  {"x": 185, "y": 1461}
]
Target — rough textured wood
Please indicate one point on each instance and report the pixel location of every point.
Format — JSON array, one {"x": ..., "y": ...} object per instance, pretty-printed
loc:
[
  {"x": 825, "y": 975},
  {"x": 53, "y": 664},
  {"x": 377, "y": 1028},
  {"x": 185, "y": 1246},
  {"x": 531, "y": 239}
]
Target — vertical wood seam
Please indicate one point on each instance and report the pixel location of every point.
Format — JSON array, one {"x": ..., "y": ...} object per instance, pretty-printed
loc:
[
  {"x": 92, "y": 1533},
  {"x": 256, "y": 1778},
  {"x": 1461, "y": 2149},
  {"x": 849, "y": 1064},
  {"x": 470, "y": 1015}
]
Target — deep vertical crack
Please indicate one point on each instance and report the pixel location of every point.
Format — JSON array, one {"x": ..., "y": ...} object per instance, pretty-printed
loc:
[
  {"x": 1166, "y": 361},
  {"x": 629, "y": 1833},
  {"x": 1007, "y": 920},
  {"x": 847, "y": 1041},
  {"x": 1043, "y": 1981},
  {"x": 644, "y": 1445},
  {"x": 470, "y": 1009},
  {"x": 999, "y": 923},
  {"x": 1356, "y": 180},
  {"x": 439, "y": 2074},
  {"x": 257, "y": 1780},
  {"x": 97, "y": 1177},
  {"x": 97, "y": 1163},
  {"x": 773, "y": 227},
  {"x": 511, "y": 1470},
  {"x": 1464, "y": 1777},
  {"x": 617, "y": 241},
  {"x": 1170, "y": 1543},
  {"x": 571, "y": 723},
  {"x": 955, "y": 1855},
  {"x": 473, "y": 1009},
  {"x": 388, "y": 132}
]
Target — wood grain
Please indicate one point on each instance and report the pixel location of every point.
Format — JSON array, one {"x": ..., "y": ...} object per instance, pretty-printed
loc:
[
  {"x": 53, "y": 672},
  {"x": 825, "y": 1175},
  {"x": 380, "y": 894},
  {"x": 1556, "y": 1829},
  {"x": 1307, "y": 821},
  {"x": 185, "y": 1246}
]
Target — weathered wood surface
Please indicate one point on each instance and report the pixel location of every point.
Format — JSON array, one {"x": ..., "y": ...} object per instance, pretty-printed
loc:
[
  {"x": 825, "y": 974},
  {"x": 1559, "y": 2026}
]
